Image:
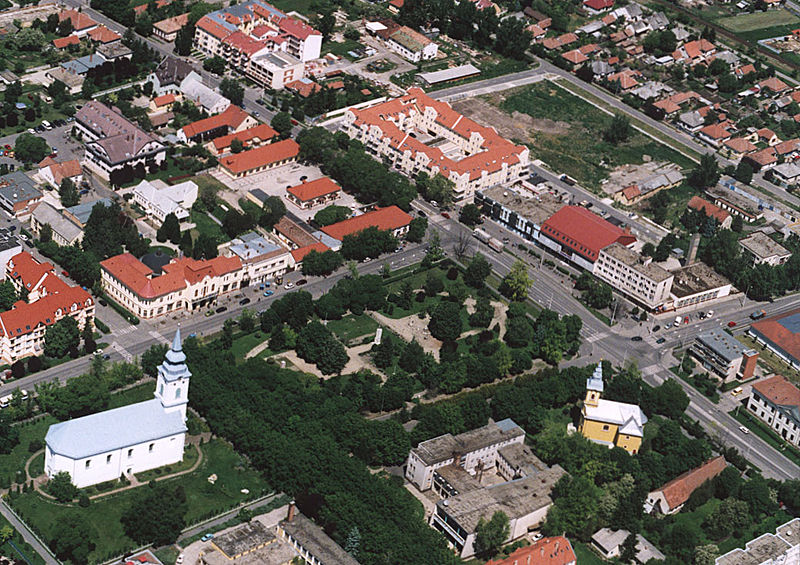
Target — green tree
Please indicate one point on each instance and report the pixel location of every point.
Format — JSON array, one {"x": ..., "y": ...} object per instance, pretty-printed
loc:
[
  {"x": 6, "y": 533},
  {"x": 331, "y": 215},
  {"x": 272, "y": 211},
  {"x": 156, "y": 514},
  {"x": 411, "y": 357},
  {"x": 517, "y": 282},
  {"x": 744, "y": 172},
  {"x": 226, "y": 340},
  {"x": 61, "y": 337},
  {"x": 153, "y": 357},
  {"x": 45, "y": 233},
  {"x": 483, "y": 315},
  {"x": 628, "y": 553},
  {"x": 30, "y": 149},
  {"x": 72, "y": 540},
  {"x": 470, "y": 215},
  {"x": 61, "y": 487},
  {"x": 317, "y": 264},
  {"x": 477, "y": 271},
  {"x": 232, "y": 90},
  {"x": 706, "y": 554},
  {"x": 436, "y": 188},
  {"x": 170, "y": 229},
  {"x": 385, "y": 352},
  {"x": 417, "y": 229},
  {"x": 512, "y": 39},
  {"x": 618, "y": 130},
  {"x": 433, "y": 283},
  {"x": 729, "y": 516},
  {"x": 237, "y": 146},
  {"x": 282, "y": 123},
  {"x": 706, "y": 173},
  {"x": 738, "y": 224},
  {"x": 8, "y": 296},
  {"x": 184, "y": 40},
  {"x": 215, "y": 65},
  {"x": 68, "y": 193},
  {"x": 490, "y": 536},
  {"x": 445, "y": 323},
  {"x": 9, "y": 435}
]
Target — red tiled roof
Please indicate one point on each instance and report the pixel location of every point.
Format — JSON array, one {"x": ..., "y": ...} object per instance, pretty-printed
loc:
[
  {"x": 314, "y": 189},
  {"x": 778, "y": 390},
  {"x": 609, "y": 19},
  {"x": 766, "y": 134},
  {"x": 80, "y": 21},
  {"x": 244, "y": 43},
  {"x": 335, "y": 85},
  {"x": 385, "y": 219},
  {"x": 303, "y": 87},
  {"x": 61, "y": 42},
  {"x": 583, "y": 232},
  {"x": 764, "y": 157},
  {"x": 104, "y": 35},
  {"x": 137, "y": 276},
  {"x": 745, "y": 70},
  {"x": 774, "y": 84},
  {"x": 631, "y": 192},
  {"x": 24, "y": 318},
  {"x": 697, "y": 203},
  {"x": 575, "y": 57},
  {"x": 173, "y": 24},
  {"x": 299, "y": 254},
  {"x": 598, "y": 4},
  {"x": 232, "y": 117},
  {"x": 262, "y": 132},
  {"x": 740, "y": 145},
  {"x": 625, "y": 78},
  {"x": 715, "y": 131},
  {"x": 678, "y": 490},
  {"x": 27, "y": 271},
  {"x": 65, "y": 169},
  {"x": 164, "y": 100},
  {"x": 397, "y": 3},
  {"x": 213, "y": 28},
  {"x": 547, "y": 551},
  {"x": 788, "y": 146},
  {"x": 260, "y": 156}
]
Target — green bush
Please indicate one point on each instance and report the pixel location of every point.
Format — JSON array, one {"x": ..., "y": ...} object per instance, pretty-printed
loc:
[{"x": 101, "y": 326}]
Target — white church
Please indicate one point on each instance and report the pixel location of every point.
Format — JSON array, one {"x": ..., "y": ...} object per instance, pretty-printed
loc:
[{"x": 131, "y": 439}]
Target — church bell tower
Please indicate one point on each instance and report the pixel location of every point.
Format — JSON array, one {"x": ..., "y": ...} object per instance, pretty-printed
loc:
[
  {"x": 594, "y": 386},
  {"x": 172, "y": 387}
]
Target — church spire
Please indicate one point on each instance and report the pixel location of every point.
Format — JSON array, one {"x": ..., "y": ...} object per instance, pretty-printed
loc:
[
  {"x": 172, "y": 387},
  {"x": 594, "y": 386}
]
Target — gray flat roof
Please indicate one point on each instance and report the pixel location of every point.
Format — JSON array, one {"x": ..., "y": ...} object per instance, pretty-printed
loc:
[
  {"x": 534, "y": 207},
  {"x": 763, "y": 246},
  {"x": 443, "y": 447},
  {"x": 723, "y": 344},
  {"x": 458, "y": 478},
  {"x": 453, "y": 73},
  {"x": 8, "y": 240},
  {"x": 637, "y": 262},
  {"x": 17, "y": 187},
  {"x": 766, "y": 547},
  {"x": 317, "y": 542},
  {"x": 521, "y": 458},
  {"x": 246, "y": 537},
  {"x": 516, "y": 499},
  {"x": 694, "y": 278}
]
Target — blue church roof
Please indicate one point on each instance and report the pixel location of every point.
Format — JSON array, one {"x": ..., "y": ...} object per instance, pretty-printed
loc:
[{"x": 114, "y": 429}]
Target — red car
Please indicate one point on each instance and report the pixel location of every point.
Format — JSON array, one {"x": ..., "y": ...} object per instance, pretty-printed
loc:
[
  {"x": 65, "y": 273},
  {"x": 731, "y": 324},
  {"x": 445, "y": 215}
]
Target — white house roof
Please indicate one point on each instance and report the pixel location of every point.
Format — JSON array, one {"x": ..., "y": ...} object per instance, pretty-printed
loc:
[
  {"x": 168, "y": 199},
  {"x": 629, "y": 417},
  {"x": 113, "y": 429},
  {"x": 200, "y": 93}
]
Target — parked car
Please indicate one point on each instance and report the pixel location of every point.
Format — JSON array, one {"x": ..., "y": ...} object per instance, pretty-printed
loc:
[
  {"x": 661, "y": 340},
  {"x": 445, "y": 215},
  {"x": 737, "y": 391},
  {"x": 209, "y": 313},
  {"x": 731, "y": 324},
  {"x": 656, "y": 328},
  {"x": 744, "y": 430},
  {"x": 103, "y": 302},
  {"x": 301, "y": 282},
  {"x": 636, "y": 338},
  {"x": 421, "y": 214},
  {"x": 269, "y": 292},
  {"x": 244, "y": 301},
  {"x": 65, "y": 273},
  {"x": 222, "y": 309},
  {"x": 288, "y": 285},
  {"x": 207, "y": 537}
]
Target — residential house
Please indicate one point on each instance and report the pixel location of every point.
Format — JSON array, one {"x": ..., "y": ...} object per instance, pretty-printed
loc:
[
  {"x": 101, "y": 34},
  {"x": 786, "y": 174},
  {"x": 53, "y": 172},
  {"x": 250, "y": 138},
  {"x": 112, "y": 142},
  {"x": 610, "y": 423},
  {"x": 158, "y": 199},
  {"x": 65, "y": 232},
  {"x": 319, "y": 192},
  {"x": 81, "y": 23},
  {"x": 169, "y": 74},
  {"x": 738, "y": 147},
  {"x": 408, "y": 43},
  {"x": 773, "y": 86},
  {"x": 722, "y": 217},
  {"x": 776, "y": 402},
  {"x": 609, "y": 543},
  {"x": 595, "y": 7},
  {"x": 113, "y": 51},
  {"x": 163, "y": 103},
  {"x": 184, "y": 284},
  {"x": 64, "y": 42},
  {"x": 671, "y": 497},
  {"x": 193, "y": 89},
  {"x": 18, "y": 195},
  {"x": 547, "y": 551},
  {"x": 232, "y": 120},
  {"x": 73, "y": 81},
  {"x": 168, "y": 29},
  {"x": 766, "y": 135},
  {"x": 714, "y": 135}
]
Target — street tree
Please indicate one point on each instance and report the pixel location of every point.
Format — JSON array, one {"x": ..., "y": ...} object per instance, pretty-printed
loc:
[
  {"x": 470, "y": 215},
  {"x": 68, "y": 193},
  {"x": 170, "y": 229},
  {"x": 156, "y": 514},
  {"x": 517, "y": 282},
  {"x": 61, "y": 337},
  {"x": 445, "y": 323},
  {"x": 332, "y": 214},
  {"x": 215, "y": 65},
  {"x": 226, "y": 339},
  {"x": 30, "y": 148},
  {"x": 232, "y": 90},
  {"x": 744, "y": 172},
  {"x": 477, "y": 271},
  {"x": 282, "y": 123},
  {"x": 706, "y": 173},
  {"x": 417, "y": 229},
  {"x": 320, "y": 264}
]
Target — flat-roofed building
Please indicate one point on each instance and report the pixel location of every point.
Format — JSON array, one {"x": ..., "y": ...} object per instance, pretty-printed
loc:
[
  {"x": 472, "y": 450},
  {"x": 518, "y": 209},
  {"x": 261, "y": 259},
  {"x": 776, "y": 401},
  {"x": 525, "y": 501},
  {"x": 311, "y": 542},
  {"x": 18, "y": 195},
  {"x": 448, "y": 75},
  {"x": 724, "y": 355},
  {"x": 275, "y": 70},
  {"x": 780, "y": 548},
  {"x": 765, "y": 250},
  {"x": 634, "y": 274},
  {"x": 695, "y": 284}
]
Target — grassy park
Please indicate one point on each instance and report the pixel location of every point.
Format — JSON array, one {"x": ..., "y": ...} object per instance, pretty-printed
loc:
[{"x": 759, "y": 21}]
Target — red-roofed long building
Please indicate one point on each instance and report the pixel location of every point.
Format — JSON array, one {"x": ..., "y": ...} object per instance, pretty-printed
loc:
[
  {"x": 389, "y": 131},
  {"x": 50, "y": 299},
  {"x": 776, "y": 401},
  {"x": 314, "y": 193},
  {"x": 671, "y": 497},
  {"x": 185, "y": 284},
  {"x": 391, "y": 219}
]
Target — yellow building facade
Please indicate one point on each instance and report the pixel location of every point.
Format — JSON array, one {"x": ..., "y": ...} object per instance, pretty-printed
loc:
[{"x": 614, "y": 424}]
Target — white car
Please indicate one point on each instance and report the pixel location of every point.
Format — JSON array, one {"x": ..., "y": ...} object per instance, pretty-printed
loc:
[
  {"x": 287, "y": 286},
  {"x": 179, "y": 560},
  {"x": 744, "y": 430}
]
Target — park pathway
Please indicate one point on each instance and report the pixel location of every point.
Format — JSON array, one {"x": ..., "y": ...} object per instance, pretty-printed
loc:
[{"x": 27, "y": 534}]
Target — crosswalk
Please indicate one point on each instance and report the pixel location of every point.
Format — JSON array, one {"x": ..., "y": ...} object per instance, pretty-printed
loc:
[
  {"x": 158, "y": 337},
  {"x": 122, "y": 351}
]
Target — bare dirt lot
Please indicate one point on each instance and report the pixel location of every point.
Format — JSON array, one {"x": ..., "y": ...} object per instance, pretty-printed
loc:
[{"x": 511, "y": 126}]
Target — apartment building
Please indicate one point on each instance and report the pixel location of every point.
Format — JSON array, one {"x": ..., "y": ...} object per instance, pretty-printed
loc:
[
  {"x": 634, "y": 274},
  {"x": 765, "y": 250},
  {"x": 275, "y": 70},
  {"x": 261, "y": 259},
  {"x": 472, "y": 450},
  {"x": 724, "y": 355},
  {"x": 253, "y": 30},
  {"x": 776, "y": 401},
  {"x": 184, "y": 284},
  {"x": 401, "y": 131},
  {"x": 112, "y": 142}
]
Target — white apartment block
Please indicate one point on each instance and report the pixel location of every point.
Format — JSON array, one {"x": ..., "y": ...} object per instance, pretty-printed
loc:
[
  {"x": 274, "y": 70},
  {"x": 633, "y": 274},
  {"x": 472, "y": 450},
  {"x": 261, "y": 260},
  {"x": 776, "y": 401},
  {"x": 780, "y": 548},
  {"x": 185, "y": 284},
  {"x": 396, "y": 130}
]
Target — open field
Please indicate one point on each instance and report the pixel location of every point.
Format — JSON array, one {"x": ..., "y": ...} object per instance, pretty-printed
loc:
[
  {"x": 759, "y": 20},
  {"x": 103, "y": 516},
  {"x": 564, "y": 131}
]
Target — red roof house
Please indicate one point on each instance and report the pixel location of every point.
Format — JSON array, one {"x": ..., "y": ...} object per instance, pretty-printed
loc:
[
  {"x": 299, "y": 254},
  {"x": 390, "y": 218},
  {"x": 583, "y": 233},
  {"x": 598, "y": 5},
  {"x": 308, "y": 194},
  {"x": 62, "y": 42},
  {"x": 671, "y": 497},
  {"x": 260, "y": 159},
  {"x": 697, "y": 203},
  {"x": 547, "y": 551}
]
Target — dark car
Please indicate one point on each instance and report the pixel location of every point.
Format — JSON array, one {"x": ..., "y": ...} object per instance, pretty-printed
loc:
[
  {"x": 103, "y": 302},
  {"x": 222, "y": 309},
  {"x": 244, "y": 301},
  {"x": 656, "y": 328},
  {"x": 636, "y": 338},
  {"x": 422, "y": 214},
  {"x": 661, "y": 340},
  {"x": 301, "y": 282}
]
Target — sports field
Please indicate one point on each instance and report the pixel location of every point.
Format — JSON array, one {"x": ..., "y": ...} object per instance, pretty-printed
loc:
[{"x": 759, "y": 20}]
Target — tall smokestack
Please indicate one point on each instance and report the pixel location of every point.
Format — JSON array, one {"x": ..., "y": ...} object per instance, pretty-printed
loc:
[
  {"x": 693, "y": 245},
  {"x": 291, "y": 511}
]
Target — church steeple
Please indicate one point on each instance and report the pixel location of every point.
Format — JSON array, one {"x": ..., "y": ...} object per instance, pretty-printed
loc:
[
  {"x": 172, "y": 387},
  {"x": 594, "y": 386}
]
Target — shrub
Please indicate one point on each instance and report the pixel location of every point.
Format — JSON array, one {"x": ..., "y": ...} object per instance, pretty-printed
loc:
[{"x": 35, "y": 445}]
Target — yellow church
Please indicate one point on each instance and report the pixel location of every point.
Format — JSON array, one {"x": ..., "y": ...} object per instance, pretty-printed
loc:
[{"x": 610, "y": 423}]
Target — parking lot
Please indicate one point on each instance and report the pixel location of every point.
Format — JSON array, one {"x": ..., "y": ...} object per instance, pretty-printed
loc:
[
  {"x": 274, "y": 183},
  {"x": 57, "y": 137}
]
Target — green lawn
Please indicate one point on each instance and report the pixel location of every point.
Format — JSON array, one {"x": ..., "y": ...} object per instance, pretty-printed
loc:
[
  {"x": 205, "y": 225},
  {"x": 189, "y": 459},
  {"x": 342, "y": 48},
  {"x": 207, "y": 182},
  {"x": 584, "y": 555},
  {"x": 37, "y": 465},
  {"x": 351, "y": 327},
  {"x": 759, "y": 20},
  {"x": 14, "y": 461},
  {"x": 242, "y": 345},
  {"x": 103, "y": 516},
  {"x": 579, "y": 150},
  {"x": 132, "y": 395}
]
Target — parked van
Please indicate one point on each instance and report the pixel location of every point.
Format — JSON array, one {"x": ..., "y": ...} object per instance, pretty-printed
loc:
[
  {"x": 677, "y": 321},
  {"x": 5, "y": 401}
]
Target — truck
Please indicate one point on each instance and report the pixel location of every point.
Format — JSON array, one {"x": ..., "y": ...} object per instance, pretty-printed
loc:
[
  {"x": 496, "y": 244},
  {"x": 481, "y": 235},
  {"x": 757, "y": 315},
  {"x": 568, "y": 180}
]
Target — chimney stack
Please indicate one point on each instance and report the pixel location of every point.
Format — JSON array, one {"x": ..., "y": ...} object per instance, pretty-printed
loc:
[{"x": 291, "y": 511}]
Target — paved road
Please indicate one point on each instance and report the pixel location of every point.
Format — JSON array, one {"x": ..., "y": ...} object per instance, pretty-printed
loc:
[{"x": 27, "y": 535}]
